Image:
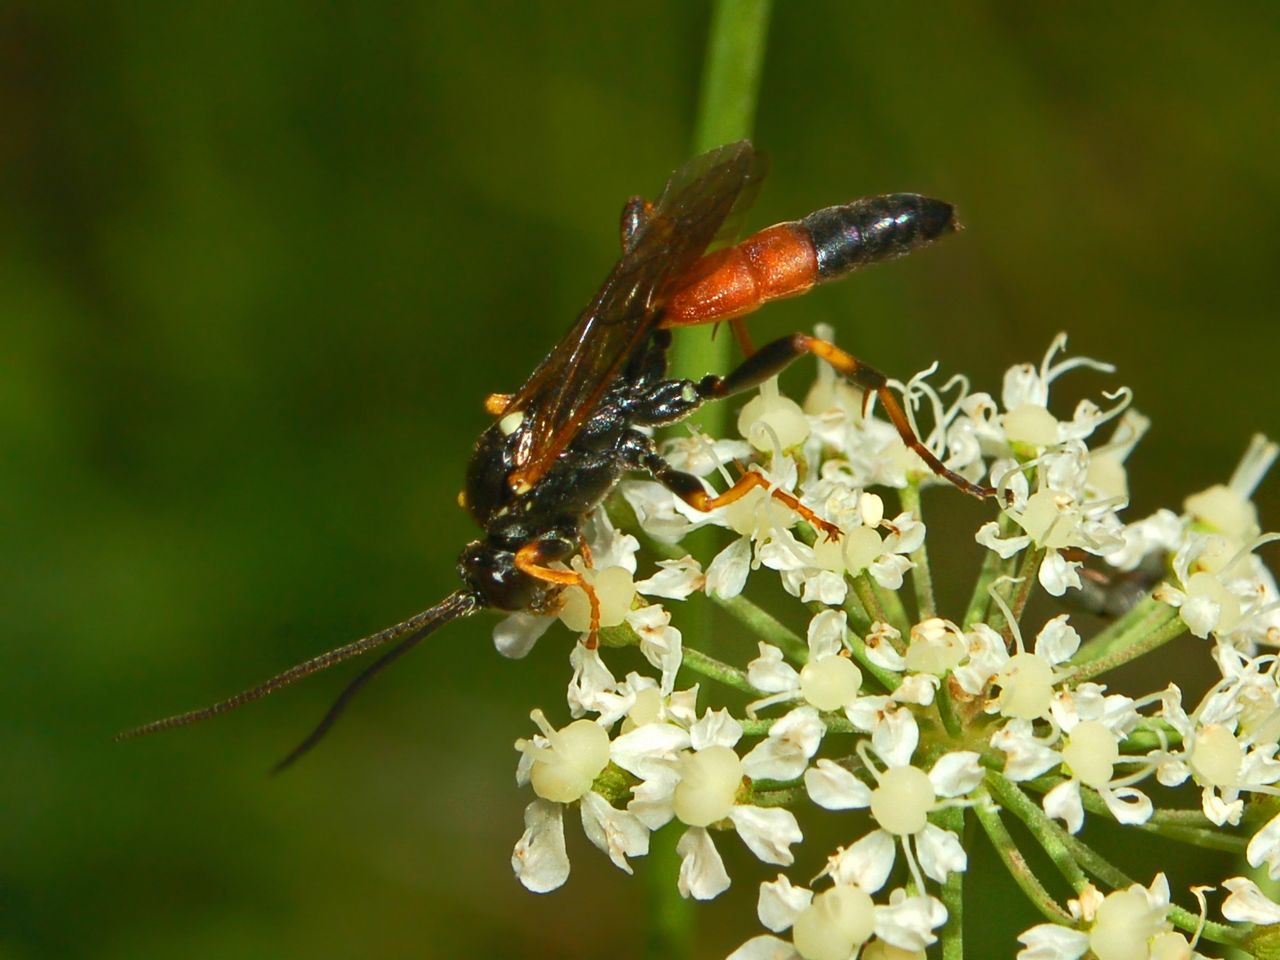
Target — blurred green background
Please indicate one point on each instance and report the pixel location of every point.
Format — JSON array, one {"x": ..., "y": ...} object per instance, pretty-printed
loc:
[{"x": 259, "y": 264}]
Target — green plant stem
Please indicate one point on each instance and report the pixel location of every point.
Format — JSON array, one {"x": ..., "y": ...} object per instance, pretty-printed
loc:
[
  {"x": 1041, "y": 827},
  {"x": 921, "y": 574},
  {"x": 726, "y": 112},
  {"x": 1138, "y": 645},
  {"x": 713, "y": 669},
  {"x": 1145, "y": 616},
  {"x": 1019, "y": 591},
  {"x": 766, "y": 627},
  {"x": 1053, "y": 838},
  {"x": 1017, "y": 865},
  {"x": 993, "y": 568},
  {"x": 952, "y": 818},
  {"x": 865, "y": 590}
]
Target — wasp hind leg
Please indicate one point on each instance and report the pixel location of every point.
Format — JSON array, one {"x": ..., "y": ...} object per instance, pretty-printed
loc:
[
  {"x": 532, "y": 559},
  {"x": 773, "y": 358}
]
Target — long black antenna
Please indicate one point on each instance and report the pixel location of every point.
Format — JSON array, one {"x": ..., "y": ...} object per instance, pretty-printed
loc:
[{"x": 458, "y": 604}]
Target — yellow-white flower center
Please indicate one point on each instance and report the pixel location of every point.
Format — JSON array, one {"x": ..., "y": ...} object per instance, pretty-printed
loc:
[
  {"x": 1032, "y": 425},
  {"x": 935, "y": 647},
  {"x": 1026, "y": 687},
  {"x": 902, "y": 800},
  {"x": 771, "y": 419},
  {"x": 830, "y": 682},
  {"x": 615, "y": 588},
  {"x": 563, "y": 771},
  {"x": 837, "y": 921},
  {"x": 1223, "y": 510},
  {"x": 1091, "y": 753},
  {"x": 856, "y": 550},
  {"x": 1216, "y": 756},
  {"x": 1122, "y": 927},
  {"x": 709, "y": 780}
]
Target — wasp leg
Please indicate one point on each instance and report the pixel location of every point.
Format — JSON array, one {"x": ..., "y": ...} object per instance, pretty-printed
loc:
[
  {"x": 773, "y": 358},
  {"x": 690, "y": 489},
  {"x": 495, "y": 404},
  {"x": 635, "y": 214},
  {"x": 532, "y": 558}
]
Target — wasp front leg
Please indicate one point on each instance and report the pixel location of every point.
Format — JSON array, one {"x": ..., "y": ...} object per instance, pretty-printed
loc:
[{"x": 533, "y": 558}]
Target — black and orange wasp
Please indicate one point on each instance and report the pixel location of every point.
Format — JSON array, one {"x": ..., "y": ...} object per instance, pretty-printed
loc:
[{"x": 561, "y": 443}]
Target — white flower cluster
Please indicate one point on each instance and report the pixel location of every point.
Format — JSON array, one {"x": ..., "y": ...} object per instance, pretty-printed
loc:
[{"x": 917, "y": 719}]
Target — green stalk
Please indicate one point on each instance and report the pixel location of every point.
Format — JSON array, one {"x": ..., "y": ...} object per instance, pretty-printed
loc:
[
  {"x": 952, "y": 818},
  {"x": 993, "y": 567},
  {"x": 1133, "y": 646},
  {"x": 1017, "y": 865},
  {"x": 921, "y": 575},
  {"x": 726, "y": 112}
]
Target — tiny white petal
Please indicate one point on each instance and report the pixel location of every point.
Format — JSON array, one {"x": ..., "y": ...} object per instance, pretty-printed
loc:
[
  {"x": 768, "y": 832},
  {"x": 769, "y": 673},
  {"x": 1051, "y": 941},
  {"x": 727, "y": 573},
  {"x": 832, "y": 787},
  {"x": 514, "y": 636},
  {"x": 988, "y": 535},
  {"x": 908, "y": 922},
  {"x": 702, "y": 873},
  {"x": 717, "y": 728},
  {"x": 1128, "y": 805},
  {"x": 1058, "y": 640},
  {"x": 780, "y": 903},
  {"x": 1248, "y": 904},
  {"x": 1057, "y": 573},
  {"x": 652, "y": 800},
  {"x": 865, "y": 864},
  {"x": 1063, "y": 803},
  {"x": 896, "y": 737},
  {"x": 650, "y": 744},
  {"x": 539, "y": 859},
  {"x": 675, "y": 579},
  {"x": 826, "y": 633},
  {"x": 940, "y": 852},
  {"x": 956, "y": 773},
  {"x": 765, "y": 948},
  {"x": 785, "y": 752},
  {"x": 616, "y": 832},
  {"x": 1264, "y": 847}
]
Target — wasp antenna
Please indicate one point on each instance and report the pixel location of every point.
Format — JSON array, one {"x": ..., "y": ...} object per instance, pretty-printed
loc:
[{"x": 456, "y": 605}]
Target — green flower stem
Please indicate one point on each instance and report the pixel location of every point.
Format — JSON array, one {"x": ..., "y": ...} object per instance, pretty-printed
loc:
[
  {"x": 887, "y": 679},
  {"x": 726, "y": 112},
  {"x": 1184, "y": 826},
  {"x": 921, "y": 575},
  {"x": 1017, "y": 865},
  {"x": 859, "y": 619},
  {"x": 865, "y": 590},
  {"x": 713, "y": 669},
  {"x": 1047, "y": 833},
  {"x": 671, "y": 920},
  {"x": 766, "y": 627},
  {"x": 834, "y": 722},
  {"x": 891, "y": 604},
  {"x": 1019, "y": 592},
  {"x": 1136, "y": 646},
  {"x": 779, "y": 798},
  {"x": 993, "y": 567},
  {"x": 952, "y": 818},
  {"x": 1147, "y": 615}
]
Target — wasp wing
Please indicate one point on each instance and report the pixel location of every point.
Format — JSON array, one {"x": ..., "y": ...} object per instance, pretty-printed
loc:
[{"x": 565, "y": 388}]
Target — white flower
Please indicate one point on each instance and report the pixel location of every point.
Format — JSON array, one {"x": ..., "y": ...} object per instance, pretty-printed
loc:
[
  {"x": 1248, "y": 904},
  {"x": 828, "y": 681},
  {"x": 699, "y": 787},
  {"x": 562, "y": 766}
]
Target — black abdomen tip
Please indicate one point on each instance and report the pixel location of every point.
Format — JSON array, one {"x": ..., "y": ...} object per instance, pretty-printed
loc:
[{"x": 875, "y": 228}]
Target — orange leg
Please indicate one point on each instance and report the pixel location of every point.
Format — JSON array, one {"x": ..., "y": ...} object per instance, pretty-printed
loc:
[
  {"x": 772, "y": 358},
  {"x": 531, "y": 560},
  {"x": 689, "y": 489},
  {"x": 742, "y": 335}
]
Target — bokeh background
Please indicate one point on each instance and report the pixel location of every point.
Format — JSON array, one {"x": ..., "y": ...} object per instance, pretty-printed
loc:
[{"x": 259, "y": 264}]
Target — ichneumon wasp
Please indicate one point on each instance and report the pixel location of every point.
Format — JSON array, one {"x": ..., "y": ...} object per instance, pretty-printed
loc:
[{"x": 561, "y": 443}]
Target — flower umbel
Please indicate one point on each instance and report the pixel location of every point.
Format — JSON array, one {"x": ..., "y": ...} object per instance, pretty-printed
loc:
[{"x": 905, "y": 721}]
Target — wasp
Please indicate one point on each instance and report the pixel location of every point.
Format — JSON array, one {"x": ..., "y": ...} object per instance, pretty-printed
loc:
[{"x": 584, "y": 418}]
